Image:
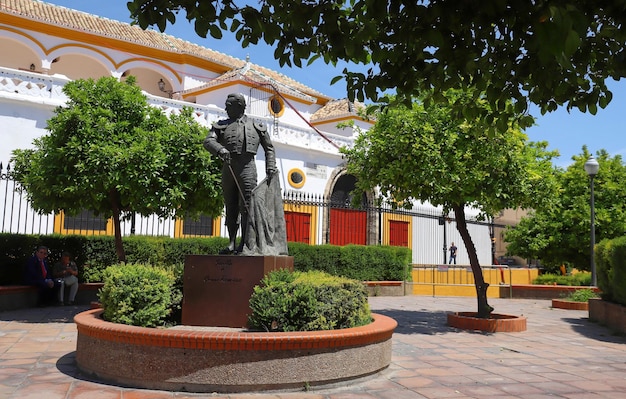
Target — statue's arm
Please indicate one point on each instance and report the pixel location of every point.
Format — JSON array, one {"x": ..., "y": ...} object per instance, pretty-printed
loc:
[
  {"x": 212, "y": 144},
  {"x": 268, "y": 147}
]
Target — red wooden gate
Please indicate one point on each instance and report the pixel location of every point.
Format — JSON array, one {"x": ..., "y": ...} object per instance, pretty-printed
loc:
[
  {"x": 398, "y": 233},
  {"x": 298, "y": 227},
  {"x": 348, "y": 226}
]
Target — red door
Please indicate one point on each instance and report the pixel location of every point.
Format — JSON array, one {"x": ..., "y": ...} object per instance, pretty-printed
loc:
[
  {"x": 348, "y": 226},
  {"x": 298, "y": 227},
  {"x": 398, "y": 233}
]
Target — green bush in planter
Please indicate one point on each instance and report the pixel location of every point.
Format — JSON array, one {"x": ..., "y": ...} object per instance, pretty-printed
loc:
[
  {"x": 618, "y": 278},
  {"x": 611, "y": 268},
  {"x": 137, "y": 294},
  {"x": 308, "y": 301},
  {"x": 578, "y": 279}
]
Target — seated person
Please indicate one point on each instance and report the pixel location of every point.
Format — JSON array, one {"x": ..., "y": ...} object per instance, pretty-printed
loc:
[
  {"x": 39, "y": 274},
  {"x": 66, "y": 271}
]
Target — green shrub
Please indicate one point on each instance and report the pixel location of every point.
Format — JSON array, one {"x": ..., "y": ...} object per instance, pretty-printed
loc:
[
  {"x": 577, "y": 279},
  {"x": 611, "y": 269},
  {"x": 137, "y": 294},
  {"x": 581, "y": 295},
  {"x": 175, "y": 249},
  {"x": 604, "y": 271},
  {"x": 618, "y": 266},
  {"x": 14, "y": 251},
  {"x": 93, "y": 254},
  {"x": 325, "y": 258},
  {"x": 308, "y": 301},
  {"x": 359, "y": 262}
]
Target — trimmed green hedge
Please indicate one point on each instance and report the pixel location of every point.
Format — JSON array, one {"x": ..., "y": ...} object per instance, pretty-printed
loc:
[
  {"x": 359, "y": 262},
  {"x": 611, "y": 269},
  {"x": 578, "y": 279},
  {"x": 93, "y": 254}
]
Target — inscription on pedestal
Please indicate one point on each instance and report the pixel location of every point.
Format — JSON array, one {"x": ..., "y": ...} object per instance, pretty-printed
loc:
[{"x": 217, "y": 288}]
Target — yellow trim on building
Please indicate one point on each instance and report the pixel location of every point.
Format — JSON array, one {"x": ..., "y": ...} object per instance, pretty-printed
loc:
[
  {"x": 179, "y": 224},
  {"x": 312, "y": 211},
  {"x": 59, "y": 222},
  {"x": 290, "y": 179},
  {"x": 282, "y": 106},
  {"x": 387, "y": 217},
  {"x": 447, "y": 280},
  {"x": 112, "y": 43}
]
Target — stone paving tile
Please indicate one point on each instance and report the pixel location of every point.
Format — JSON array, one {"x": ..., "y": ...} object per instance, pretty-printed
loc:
[{"x": 561, "y": 355}]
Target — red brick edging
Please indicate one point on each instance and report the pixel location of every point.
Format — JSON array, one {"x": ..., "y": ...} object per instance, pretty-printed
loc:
[
  {"x": 229, "y": 361},
  {"x": 496, "y": 323},
  {"x": 569, "y": 305}
]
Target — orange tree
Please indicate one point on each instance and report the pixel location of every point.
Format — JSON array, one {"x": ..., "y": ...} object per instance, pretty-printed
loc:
[
  {"x": 110, "y": 152},
  {"x": 435, "y": 155}
]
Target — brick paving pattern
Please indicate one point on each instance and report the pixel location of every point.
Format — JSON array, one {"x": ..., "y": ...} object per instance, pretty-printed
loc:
[{"x": 560, "y": 355}]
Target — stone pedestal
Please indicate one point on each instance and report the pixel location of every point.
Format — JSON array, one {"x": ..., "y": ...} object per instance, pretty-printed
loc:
[{"x": 217, "y": 288}]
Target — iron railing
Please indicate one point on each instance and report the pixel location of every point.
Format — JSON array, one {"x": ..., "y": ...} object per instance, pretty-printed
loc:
[{"x": 17, "y": 216}]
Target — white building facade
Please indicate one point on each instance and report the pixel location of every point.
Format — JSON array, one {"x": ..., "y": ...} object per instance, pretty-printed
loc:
[{"x": 44, "y": 46}]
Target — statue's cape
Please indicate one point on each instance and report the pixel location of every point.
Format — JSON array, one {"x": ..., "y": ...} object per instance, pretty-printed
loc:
[{"x": 266, "y": 234}]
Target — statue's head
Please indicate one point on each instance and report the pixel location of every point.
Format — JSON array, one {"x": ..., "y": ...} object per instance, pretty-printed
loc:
[
  {"x": 236, "y": 98},
  {"x": 235, "y": 105}
]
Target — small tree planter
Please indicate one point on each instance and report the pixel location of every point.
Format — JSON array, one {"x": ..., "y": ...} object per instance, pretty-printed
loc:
[
  {"x": 495, "y": 323},
  {"x": 228, "y": 360},
  {"x": 569, "y": 305}
]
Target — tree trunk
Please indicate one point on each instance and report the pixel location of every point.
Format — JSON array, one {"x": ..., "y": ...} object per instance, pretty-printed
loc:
[
  {"x": 119, "y": 246},
  {"x": 484, "y": 310}
]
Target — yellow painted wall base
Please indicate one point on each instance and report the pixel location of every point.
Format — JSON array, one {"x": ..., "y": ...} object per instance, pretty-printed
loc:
[
  {"x": 456, "y": 290},
  {"x": 459, "y": 281}
]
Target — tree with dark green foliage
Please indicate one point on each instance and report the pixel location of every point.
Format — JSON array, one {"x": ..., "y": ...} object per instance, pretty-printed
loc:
[
  {"x": 542, "y": 52},
  {"x": 108, "y": 151},
  {"x": 559, "y": 234},
  {"x": 432, "y": 155}
]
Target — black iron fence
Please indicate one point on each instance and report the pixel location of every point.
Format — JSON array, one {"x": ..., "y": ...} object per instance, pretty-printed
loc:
[{"x": 320, "y": 220}]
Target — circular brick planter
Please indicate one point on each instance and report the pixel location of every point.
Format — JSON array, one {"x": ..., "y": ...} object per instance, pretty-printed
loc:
[
  {"x": 496, "y": 323},
  {"x": 228, "y": 360},
  {"x": 570, "y": 305}
]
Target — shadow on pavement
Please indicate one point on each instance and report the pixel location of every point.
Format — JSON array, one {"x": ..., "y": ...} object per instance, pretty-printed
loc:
[
  {"x": 595, "y": 331},
  {"x": 418, "y": 322},
  {"x": 51, "y": 314}
]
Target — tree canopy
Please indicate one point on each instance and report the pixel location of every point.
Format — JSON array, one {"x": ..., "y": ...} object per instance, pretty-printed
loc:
[
  {"x": 547, "y": 53},
  {"x": 559, "y": 233},
  {"x": 110, "y": 152},
  {"x": 431, "y": 155}
]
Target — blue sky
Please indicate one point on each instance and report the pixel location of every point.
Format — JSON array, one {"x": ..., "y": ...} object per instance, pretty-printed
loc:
[{"x": 565, "y": 132}]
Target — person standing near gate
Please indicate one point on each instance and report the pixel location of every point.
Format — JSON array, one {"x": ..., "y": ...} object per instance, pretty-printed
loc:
[
  {"x": 452, "y": 250},
  {"x": 236, "y": 141}
]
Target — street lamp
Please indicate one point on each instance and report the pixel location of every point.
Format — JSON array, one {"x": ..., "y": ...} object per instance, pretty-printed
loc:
[
  {"x": 591, "y": 167},
  {"x": 161, "y": 85}
]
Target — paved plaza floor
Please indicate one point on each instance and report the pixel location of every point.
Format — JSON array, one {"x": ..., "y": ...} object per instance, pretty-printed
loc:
[{"x": 561, "y": 355}]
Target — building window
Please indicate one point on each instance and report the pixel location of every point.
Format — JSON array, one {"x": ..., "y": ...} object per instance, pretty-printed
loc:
[
  {"x": 296, "y": 178},
  {"x": 276, "y": 106},
  {"x": 200, "y": 227},
  {"x": 85, "y": 220}
]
